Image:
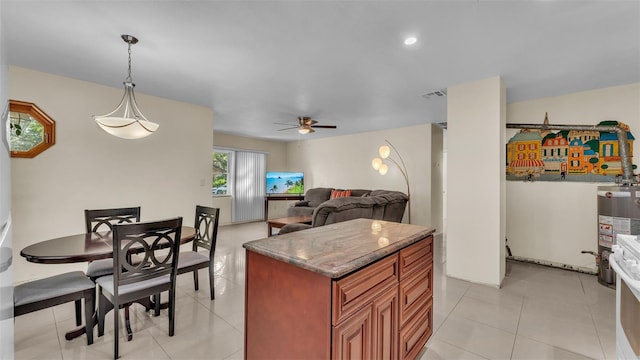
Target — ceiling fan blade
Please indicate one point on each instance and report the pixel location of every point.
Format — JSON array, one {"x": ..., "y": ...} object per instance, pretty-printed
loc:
[
  {"x": 289, "y": 128},
  {"x": 286, "y": 124},
  {"x": 324, "y": 126}
]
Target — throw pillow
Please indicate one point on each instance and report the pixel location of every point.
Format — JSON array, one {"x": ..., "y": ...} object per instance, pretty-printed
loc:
[{"x": 340, "y": 193}]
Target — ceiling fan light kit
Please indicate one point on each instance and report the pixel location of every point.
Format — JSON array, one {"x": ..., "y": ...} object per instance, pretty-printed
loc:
[{"x": 127, "y": 121}]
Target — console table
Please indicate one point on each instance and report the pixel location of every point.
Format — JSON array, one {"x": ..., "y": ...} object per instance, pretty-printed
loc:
[
  {"x": 276, "y": 198},
  {"x": 356, "y": 289}
]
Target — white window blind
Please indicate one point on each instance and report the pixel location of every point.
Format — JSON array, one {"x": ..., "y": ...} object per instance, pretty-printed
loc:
[{"x": 249, "y": 186}]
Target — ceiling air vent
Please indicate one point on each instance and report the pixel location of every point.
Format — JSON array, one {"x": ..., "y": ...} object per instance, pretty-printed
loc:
[{"x": 436, "y": 93}]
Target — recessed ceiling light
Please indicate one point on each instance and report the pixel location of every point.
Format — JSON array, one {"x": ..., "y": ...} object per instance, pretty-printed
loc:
[{"x": 410, "y": 40}]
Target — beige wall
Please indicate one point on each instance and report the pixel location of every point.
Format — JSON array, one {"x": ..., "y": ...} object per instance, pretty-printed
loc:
[
  {"x": 554, "y": 221},
  {"x": 276, "y": 161},
  {"x": 167, "y": 173},
  {"x": 345, "y": 162},
  {"x": 475, "y": 181},
  {"x": 437, "y": 178}
]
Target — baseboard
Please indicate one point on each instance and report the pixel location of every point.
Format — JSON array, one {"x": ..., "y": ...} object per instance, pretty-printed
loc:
[{"x": 580, "y": 269}]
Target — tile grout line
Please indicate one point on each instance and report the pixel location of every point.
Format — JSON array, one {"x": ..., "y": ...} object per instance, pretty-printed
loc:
[{"x": 515, "y": 338}]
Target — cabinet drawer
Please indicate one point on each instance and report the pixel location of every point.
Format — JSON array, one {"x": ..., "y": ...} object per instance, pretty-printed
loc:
[
  {"x": 415, "y": 291},
  {"x": 359, "y": 289},
  {"x": 414, "y": 335},
  {"x": 415, "y": 256}
]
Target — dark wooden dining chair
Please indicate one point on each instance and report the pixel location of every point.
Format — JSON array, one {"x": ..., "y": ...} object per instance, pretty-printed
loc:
[
  {"x": 158, "y": 242},
  {"x": 206, "y": 224},
  {"x": 55, "y": 290},
  {"x": 103, "y": 220},
  {"x": 99, "y": 220}
]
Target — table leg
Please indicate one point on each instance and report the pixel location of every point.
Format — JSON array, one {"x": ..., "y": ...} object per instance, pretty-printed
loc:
[{"x": 269, "y": 229}]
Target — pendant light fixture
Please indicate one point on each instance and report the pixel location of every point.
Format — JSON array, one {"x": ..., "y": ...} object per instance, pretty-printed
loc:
[{"x": 127, "y": 121}]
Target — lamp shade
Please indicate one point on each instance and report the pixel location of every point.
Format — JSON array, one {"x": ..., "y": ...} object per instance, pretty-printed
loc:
[
  {"x": 304, "y": 130},
  {"x": 127, "y": 128},
  {"x": 384, "y": 151},
  {"x": 126, "y": 121},
  {"x": 383, "y": 169},
  {"x": 376, "y": 163}
]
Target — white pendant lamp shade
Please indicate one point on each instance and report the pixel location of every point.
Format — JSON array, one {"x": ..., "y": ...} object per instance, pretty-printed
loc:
[{"x": 127, "y": 121}]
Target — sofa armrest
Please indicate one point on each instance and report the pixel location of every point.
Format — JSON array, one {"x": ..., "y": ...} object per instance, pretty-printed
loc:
[
  {"x": 300, "y": 203},
  {"x": 289, "y": 228}
]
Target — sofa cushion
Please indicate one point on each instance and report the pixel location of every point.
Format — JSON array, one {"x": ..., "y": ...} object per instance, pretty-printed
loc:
[
  {"x": 300, "y": 210},
  {"x": 343, "y": 209},
  {"x": 317, "y": 196},
  {"x": 394, "y": 202},
  {"x": 339, "y": 193}
]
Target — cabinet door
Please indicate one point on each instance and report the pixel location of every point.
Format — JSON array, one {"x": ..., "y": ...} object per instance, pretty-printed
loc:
[
  {"x": 415, "y": 333},
  {"x": 352, "y": 339},
  {"x": 385, "y": 326}
]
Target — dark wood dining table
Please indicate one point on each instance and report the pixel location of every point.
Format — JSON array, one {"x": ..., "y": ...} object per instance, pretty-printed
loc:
[
  {"x": 81, "y": 247},
  {"x": 84, "y": 247}
]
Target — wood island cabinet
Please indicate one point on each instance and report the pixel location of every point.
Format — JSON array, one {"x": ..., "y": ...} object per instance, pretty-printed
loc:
[{"x": 382, "y": 309}]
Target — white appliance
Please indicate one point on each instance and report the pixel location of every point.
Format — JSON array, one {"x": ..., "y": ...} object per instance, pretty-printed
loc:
[
  {"x": 625, "y": 260},
  {"x": 6, "y": 271},
  {"x": 6, "y": 291}
]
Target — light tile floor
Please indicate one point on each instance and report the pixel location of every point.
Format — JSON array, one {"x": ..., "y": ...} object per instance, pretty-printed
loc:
[{"x": 539, "y": 313}]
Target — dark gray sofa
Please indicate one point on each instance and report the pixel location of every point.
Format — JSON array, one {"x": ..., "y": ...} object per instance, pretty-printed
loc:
[
  {"x": 316, "y": 196},
  {"x": 378, "y": 205}
]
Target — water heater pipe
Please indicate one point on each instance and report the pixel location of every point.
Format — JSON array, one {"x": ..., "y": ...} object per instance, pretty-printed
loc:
[{"x": 625, "y": 159}]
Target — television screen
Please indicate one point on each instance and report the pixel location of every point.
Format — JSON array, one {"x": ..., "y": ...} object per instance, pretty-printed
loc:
[{"x": 285, "y": 182}]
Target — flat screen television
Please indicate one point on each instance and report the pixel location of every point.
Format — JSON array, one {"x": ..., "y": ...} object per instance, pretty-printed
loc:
[{"x": 285, "y": 182}]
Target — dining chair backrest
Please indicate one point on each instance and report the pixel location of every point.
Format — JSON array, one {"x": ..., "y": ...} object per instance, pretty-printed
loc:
[
  {"x": 206, "y": 225},
  {"x": 103, "y": 219},
  {"x": 156, "y": 242}
]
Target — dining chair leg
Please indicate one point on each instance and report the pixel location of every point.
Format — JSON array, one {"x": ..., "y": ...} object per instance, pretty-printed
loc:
[
  {"x": 211, "y": 282},
  {"x": 195, "y": 279},
  {"x": 156, "y": 304},
  {"x": 127, "y": 322},
  {"x": 78, "y": 305},
  {"x": 102, "y": 311},
  {"x": 89, "y": 305},
  {"x": 172, "y": 305},
  {"x": 116, "y": 326}
]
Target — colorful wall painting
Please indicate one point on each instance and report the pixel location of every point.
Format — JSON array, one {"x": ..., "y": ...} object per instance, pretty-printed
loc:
[{"x": 582, "y": 156}]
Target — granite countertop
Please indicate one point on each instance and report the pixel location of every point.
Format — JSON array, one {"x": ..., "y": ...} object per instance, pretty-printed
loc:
[{"x": 338, "y": 249}]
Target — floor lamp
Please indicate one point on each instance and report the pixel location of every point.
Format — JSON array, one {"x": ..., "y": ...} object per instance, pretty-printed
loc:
[{"x": 379, "y": 164}]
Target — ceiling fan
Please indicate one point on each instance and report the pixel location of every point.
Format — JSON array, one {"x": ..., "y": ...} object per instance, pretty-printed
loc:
[{"x": 306, "y": 125}]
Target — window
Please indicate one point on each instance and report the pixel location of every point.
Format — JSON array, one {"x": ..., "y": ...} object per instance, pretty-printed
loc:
[
  {"x": 532, "y": 146},
  {"x": 240, "y": 173},
  {"x": 532, "y": 156},
  {"x": 222, "y": 160},
  {"x": 31, "y": 130}
]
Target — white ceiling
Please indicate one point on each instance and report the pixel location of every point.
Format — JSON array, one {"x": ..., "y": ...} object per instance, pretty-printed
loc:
[{"x": 341, "y": 62}]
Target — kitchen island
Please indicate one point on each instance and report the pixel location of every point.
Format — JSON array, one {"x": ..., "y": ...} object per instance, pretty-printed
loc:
[{"x": 355, "y": 289}]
